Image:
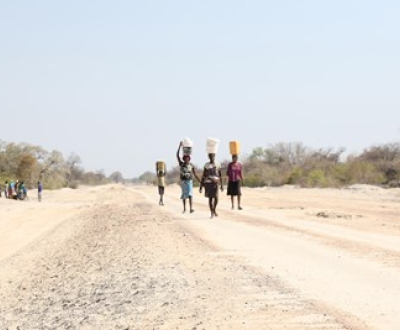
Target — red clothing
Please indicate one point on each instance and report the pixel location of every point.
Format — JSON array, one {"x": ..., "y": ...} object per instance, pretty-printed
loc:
[{"x": 234, "y": 172}]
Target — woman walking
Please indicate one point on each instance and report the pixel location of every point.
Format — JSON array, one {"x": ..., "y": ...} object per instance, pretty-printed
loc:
[
  {"x": 235, "y": 181},
  {"x": 187, "y": 171},
  {"x": 210, "y": 180}
]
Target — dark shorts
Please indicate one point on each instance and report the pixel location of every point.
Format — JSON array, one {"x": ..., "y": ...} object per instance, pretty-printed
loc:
[
  {"x": 211, "y": 190},
  {"x": 161, "y": 190},
  {"x": 234, "y": 188}
]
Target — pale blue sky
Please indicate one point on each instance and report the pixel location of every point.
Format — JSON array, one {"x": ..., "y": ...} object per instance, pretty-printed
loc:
[{"x": 121, "y": 82}]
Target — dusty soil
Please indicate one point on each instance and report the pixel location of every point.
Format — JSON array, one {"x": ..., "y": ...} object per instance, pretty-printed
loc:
[{"x": 111, "y": 258}]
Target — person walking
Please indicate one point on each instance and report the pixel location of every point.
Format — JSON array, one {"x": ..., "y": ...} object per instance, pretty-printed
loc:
[
  {"x": 40, "y": 191},
  {"x": 161, "y": 184},
  {"x": 187, "y": 172},
  {"x": 235, "y": 181},
  {"x": 210, "y": 180}
]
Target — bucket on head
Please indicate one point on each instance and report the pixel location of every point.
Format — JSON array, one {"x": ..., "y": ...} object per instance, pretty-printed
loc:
[
  {"x": 187, "y": 143},
  {"x": 160, "y": 165},
  {"x": 234, "y": 147},
  {"x": 187, "y": 150},
  {"x": 212, "y": 145}
]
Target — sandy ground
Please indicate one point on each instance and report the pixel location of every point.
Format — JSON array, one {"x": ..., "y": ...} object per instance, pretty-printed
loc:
[{"x": 111, "y": 258}]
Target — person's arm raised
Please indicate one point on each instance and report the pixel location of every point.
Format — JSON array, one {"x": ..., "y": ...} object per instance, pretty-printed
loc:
[{"x": 177, "y": 153}]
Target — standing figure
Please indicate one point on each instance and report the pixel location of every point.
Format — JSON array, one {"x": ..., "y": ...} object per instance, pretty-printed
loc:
[
  {"x": 211, "y": 178},
  {"x": 187, "y": 171},
  {"x": 6, "y": 189},
  {"x": 22, "y": 192},
  {"x": 11, "y": 190},
  {"x": 161, "y": 183},
  {"x": 235, "y": 181},
  {"x": 40, "y": 191}
]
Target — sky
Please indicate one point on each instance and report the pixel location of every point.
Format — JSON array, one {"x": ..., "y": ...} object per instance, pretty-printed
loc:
[{"x": 120, "y": 83}]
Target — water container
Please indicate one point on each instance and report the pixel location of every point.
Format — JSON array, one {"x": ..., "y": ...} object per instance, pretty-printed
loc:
[
  {"x": 187, "y": 146},
  {"x": 234, "y": 147},
  {"x": 187, "y": 150},
  {"x": 212, "y": 145},
  {"x": 187, "y": 142},
  {"x": 160, "y": 165}
]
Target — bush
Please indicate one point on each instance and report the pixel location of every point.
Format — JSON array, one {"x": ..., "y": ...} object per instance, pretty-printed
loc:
[{"x": 317, "y": 178}]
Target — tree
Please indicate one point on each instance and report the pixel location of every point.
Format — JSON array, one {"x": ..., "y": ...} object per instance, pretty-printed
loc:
[
  {"x": 117, "y": 177},
  {"x": 148, "y": 177},
  {"x": 71, "y": 163},
  {"x": 27, "y": 169}
]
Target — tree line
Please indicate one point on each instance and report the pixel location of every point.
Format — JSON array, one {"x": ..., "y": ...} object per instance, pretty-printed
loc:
[
  {"x": 296, "y": 164},
  {"x": 276, "y": 165},
  {"x": 29, "y": 163}
]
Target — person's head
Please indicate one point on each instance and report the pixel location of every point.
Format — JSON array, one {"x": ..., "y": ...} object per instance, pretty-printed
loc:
[
  {"x": 38, "y": 182},
  {"x": 211, "y": 157},
  {"x": 6, "y": 182},
  {"x": 186, "y": 159},
  {"x": 235, "y": 158}
]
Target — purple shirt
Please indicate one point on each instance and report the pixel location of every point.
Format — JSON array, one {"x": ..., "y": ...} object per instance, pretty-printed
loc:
[{"x": 234, "y": 172}]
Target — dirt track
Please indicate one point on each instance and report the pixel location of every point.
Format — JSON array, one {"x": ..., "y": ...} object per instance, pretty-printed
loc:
[{"x": 111, "y": 258}]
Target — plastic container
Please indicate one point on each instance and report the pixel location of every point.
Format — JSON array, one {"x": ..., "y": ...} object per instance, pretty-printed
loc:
[
  {"x": 234, "y": 147},
  {"x": 187, "y": 143},
  {"x": 212, "y": 145},
  {"x": 187, "y": 146},
  {"x": 160, "y": 165},
  {"x": 187, "y": 150}
]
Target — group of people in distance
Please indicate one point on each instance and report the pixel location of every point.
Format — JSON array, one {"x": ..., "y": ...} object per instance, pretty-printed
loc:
[
  {"x": 17, "y": 190},
  {"x": 211, "y": 180}
]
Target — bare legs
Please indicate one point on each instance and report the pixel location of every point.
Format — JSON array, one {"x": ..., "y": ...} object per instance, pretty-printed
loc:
[
  {"x": 238, "y": 202},
  {"x": 190, "y": 205},
  {"x": 212, "y": 203}
]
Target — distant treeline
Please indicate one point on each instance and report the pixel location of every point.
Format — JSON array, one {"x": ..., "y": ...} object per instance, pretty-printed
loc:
[
  {"x": 278, "y": 164},
  {"x": 28, "y": 163},
  {"x": 296, "y": 164}
]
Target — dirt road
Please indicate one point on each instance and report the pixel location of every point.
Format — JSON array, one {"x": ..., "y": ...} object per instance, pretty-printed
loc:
[{"x": 111, "y": 258}]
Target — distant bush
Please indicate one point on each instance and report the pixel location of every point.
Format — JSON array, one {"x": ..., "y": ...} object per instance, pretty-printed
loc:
[
  {"x": 293, "y": 163},
  {"x": 29, "y": 163},
  {"x": 74, "y": 185}
]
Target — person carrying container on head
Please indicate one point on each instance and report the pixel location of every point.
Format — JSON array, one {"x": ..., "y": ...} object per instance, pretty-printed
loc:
[
  {"x": 235, "y": 181},
  {"x": 161, "y": 171},
  {"x": 187, "y": 171}
]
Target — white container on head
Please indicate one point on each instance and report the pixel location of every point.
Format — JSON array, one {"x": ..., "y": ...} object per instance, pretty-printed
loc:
[
  {"x": 212, "y": 145},
  {"x": 187, "y": 142},
  {"x": 187, "y": 145}
]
